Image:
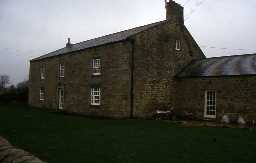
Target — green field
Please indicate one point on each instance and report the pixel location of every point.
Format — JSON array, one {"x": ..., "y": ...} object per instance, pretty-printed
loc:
[{"x": 58, "y": 138}]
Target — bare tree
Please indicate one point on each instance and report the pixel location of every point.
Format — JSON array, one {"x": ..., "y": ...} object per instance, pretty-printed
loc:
[{"x": 4, "y": 81}]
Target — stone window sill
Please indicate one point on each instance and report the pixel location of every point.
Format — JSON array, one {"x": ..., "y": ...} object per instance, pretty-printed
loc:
[{"x": 96, "y": 74}]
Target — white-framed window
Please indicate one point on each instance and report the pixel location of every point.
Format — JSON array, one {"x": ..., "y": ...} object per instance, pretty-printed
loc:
[
  {"x": 96, "y": 66},
  {"x": 42, "y": 94},
  {"x": 95, "y": 96},
  {"x": 177, "y": 45},
  {"x": 61, "y": 97},
  {"x": 61, "y": 70},
  {"x": 210, "y": 104},
  {"x": 42, "y": 73}
]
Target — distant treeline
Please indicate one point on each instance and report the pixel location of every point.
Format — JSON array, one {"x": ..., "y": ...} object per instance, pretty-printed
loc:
[{"x": 18, "y": 93}]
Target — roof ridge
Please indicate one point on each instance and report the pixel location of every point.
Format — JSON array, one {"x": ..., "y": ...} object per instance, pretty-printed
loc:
[
  {"x": 155, "y": 23},
  {"x": 102, "y": 40}
]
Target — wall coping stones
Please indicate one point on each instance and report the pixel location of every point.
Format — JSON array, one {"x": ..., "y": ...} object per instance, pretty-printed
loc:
[{"x": 10, "y": 154}]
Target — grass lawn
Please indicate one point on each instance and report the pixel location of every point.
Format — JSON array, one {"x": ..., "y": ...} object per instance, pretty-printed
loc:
[{"x": 58, "y": 138}]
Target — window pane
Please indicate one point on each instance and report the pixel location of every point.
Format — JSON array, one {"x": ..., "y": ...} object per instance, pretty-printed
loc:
[
  {"x": 61, "y": 70},
  {"x": 177, "y": 45},
  {"x": 42, "y": 94},
  {"x": 42, "y": 72},
  {"x": 95, "y": 96},
  {"x": 96, "y": 66}
]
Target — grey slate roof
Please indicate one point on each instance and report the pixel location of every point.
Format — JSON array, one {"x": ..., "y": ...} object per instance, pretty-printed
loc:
[
  {"x": 115, "y": 37},
  {"x": 221, "y": 66}
]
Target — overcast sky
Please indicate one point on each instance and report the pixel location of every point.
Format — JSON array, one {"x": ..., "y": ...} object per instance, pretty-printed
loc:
[{"x": 30, "y": 28}]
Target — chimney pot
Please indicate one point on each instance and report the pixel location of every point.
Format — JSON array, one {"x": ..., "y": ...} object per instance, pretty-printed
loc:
[{"x": 68, "y": 43}]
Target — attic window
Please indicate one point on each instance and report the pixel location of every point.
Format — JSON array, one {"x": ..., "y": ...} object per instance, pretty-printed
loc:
[{"x": 177, "y": 45}]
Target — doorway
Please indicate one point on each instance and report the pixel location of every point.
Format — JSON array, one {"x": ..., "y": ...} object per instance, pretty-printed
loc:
[{"x": 61, "y": 98}]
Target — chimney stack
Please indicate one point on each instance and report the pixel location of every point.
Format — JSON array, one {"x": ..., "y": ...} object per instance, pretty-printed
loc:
[
  {"x": 174, "y": 12},
  {"x": 68, "y": 43}
]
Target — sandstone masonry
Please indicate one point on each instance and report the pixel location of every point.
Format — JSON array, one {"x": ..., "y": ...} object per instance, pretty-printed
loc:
[{"x": 133, "y": 73}]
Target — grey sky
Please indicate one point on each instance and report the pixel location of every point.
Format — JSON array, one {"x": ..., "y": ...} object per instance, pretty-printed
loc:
[{"x": 30, "y": 28}]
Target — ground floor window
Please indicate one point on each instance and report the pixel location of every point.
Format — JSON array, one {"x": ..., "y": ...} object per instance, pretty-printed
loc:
[
  {"x": 210, "y": 104},
  {"x": 95, "y": 96},
  {"x": 61, "y": 98},
  {"x": 42, "y": 94}
]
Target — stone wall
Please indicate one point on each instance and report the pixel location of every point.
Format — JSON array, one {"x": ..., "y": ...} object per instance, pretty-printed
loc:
[
  {"x": 150, "y": 59},
  {"x": 78, "y": 80},
  {"x": 10, "y": 154},
  {"x": 50, "y": 83},
  {"x": 235, "y": 94},
  {"x": 156, "y": 62},
  {"x": 137, "y": 74}
]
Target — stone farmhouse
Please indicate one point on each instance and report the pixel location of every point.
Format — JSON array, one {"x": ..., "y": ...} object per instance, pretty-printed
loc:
[{"x": 131, "y": 74}]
